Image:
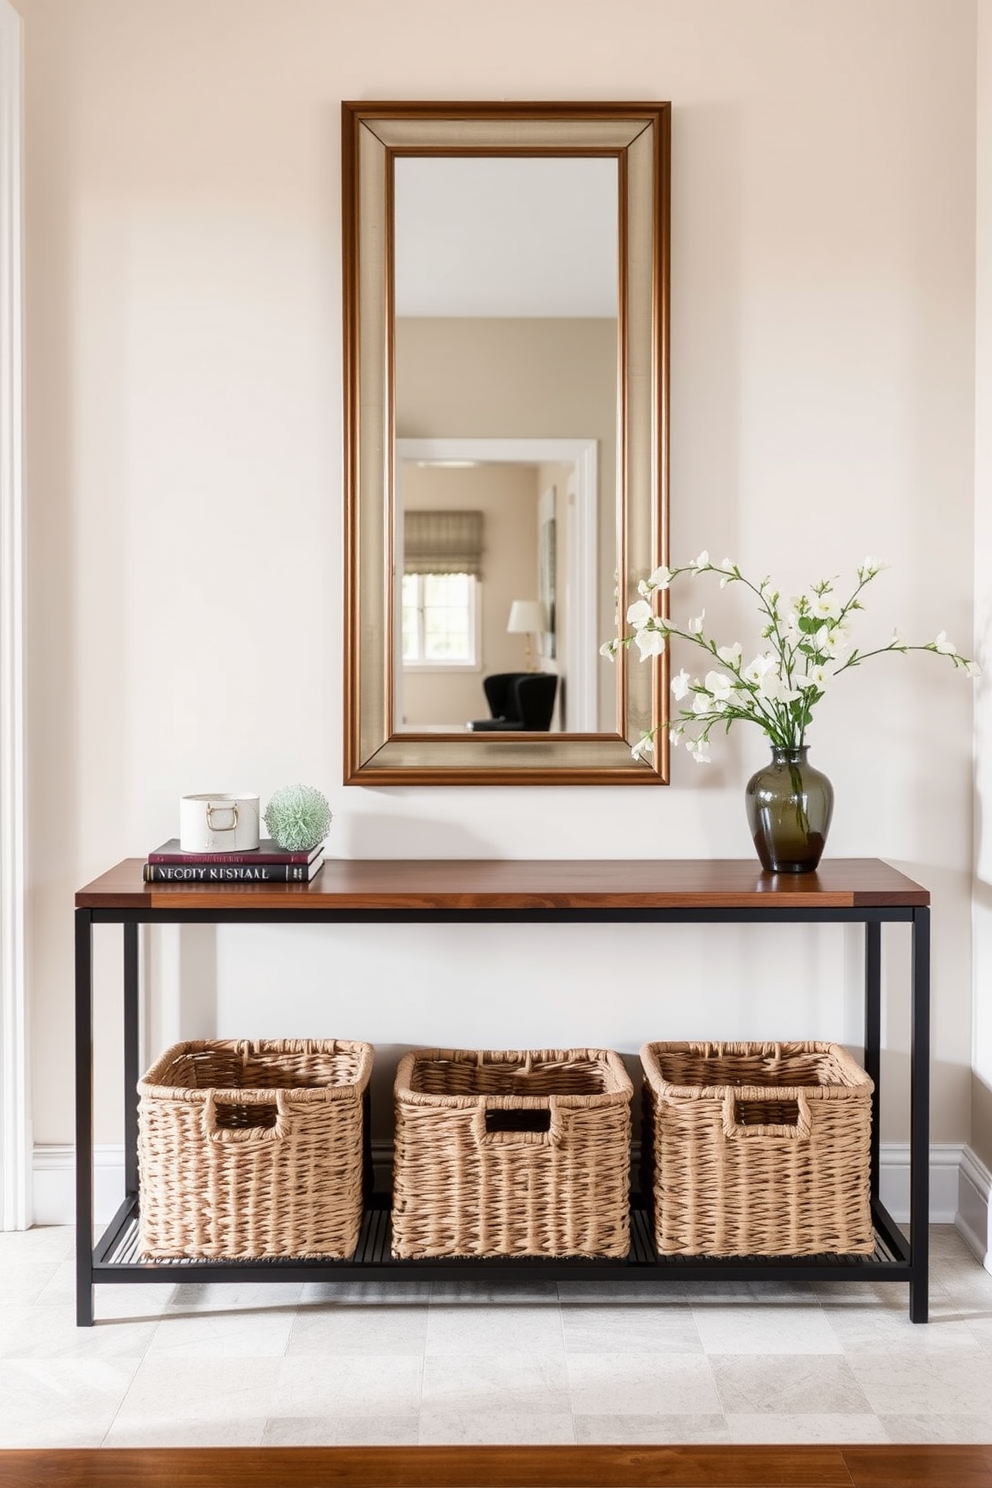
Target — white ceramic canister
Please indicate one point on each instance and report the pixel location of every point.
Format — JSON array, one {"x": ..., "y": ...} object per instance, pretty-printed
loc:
[{"x": 218, "y": 823}]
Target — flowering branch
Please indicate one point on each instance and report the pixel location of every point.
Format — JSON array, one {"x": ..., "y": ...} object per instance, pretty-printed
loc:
[{"x": 808, "y": 645}]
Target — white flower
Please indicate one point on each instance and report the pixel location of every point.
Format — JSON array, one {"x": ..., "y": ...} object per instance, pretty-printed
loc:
[
  {"x": 815, "y": 676},
  {"x": 661, "y": 578},
  {"x": 823, "y": 606},
  {"x": 972, "y": 669},
  {"x": 703, "y": 561},
  {"x": 720, "y": 685},
  {"x": 869, "y": 568},
  {"x": 703, "y": 703},
  {"x": 650, "y": 642},
  {"x": 609, "y": 649},
  {"x": 944, "y": 646},
  {"x": 731, "y": 655},
  {"x": 675, "y": 732},
  {"x": 643, "y": 746},
  {"x": 770, "y": 687},
  {"x": 695, "y": 625},
  {"x": 831, "y": 639},
  {"x": 639, "y": 613},
  {"x": 729, "y": 572},
  {"x": 700, "y": 750},
  {"x": 756, "y": 669},
  {"x": 680, "y": 684}
]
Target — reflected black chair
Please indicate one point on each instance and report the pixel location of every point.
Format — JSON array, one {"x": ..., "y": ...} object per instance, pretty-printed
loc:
[{"x": 523, "y": 702}]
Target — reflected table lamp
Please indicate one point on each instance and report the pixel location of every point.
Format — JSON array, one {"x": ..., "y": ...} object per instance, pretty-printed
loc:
[{"x": 527, "y": 619}]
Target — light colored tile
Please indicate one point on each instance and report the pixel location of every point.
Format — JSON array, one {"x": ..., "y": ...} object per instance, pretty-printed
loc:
[
  {"x": 782, "y": 1293},
  {"x": 373, "y": 1329},
  {"x": 884, "y": 1296},
  {"x": 643, "y": 1385},
  {"x": 644, "y": 1329},
  {"x": 940, "y": 1430},
  {"x": 51, "y": 1333},
  {"x": 980, "y": 1328},
  {"x": 495, "y": 1428},
  {"x": 181, "y": 1431},
  {"x": 788, "y": 1384},
  {"x": 924, "y": 1384},
  {"x": 133, "y": 1300},
  {"x": 219, "y": 1390},
  {"x": 450, "y": 1293},
  {"x": 623, "y": 1431},
  {"x": 804, "y": 1429},
  {"x": 517, "y": 1384},
  {"x": 341, "y": 1431},
  {"x": 764, "y": 1329},
  {"x": 348, "y": 1385},
  {"x": 967, "y": 1287},
  {"x": 23, "y": 1280},
  {"x": 512, "y": 1329},
  {"x": 224, "y": 1336},
  {"x": 229, "y": 1296},
  {"x": 660, "y": 1292},
  {"x": 345, "y": 1294},
  {"x": 40, "y": 1243},
  {"x": 137, "y": 1301},
  {"x": 866, "y": 1330},
  {"x": 61, "y": 1402}
]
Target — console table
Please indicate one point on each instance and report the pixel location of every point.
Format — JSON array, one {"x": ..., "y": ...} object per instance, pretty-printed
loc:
[{"x": 842, "y": 891}]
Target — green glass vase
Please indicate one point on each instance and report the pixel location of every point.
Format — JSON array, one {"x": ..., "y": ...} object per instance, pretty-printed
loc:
[{"x": 789, "y": 804}]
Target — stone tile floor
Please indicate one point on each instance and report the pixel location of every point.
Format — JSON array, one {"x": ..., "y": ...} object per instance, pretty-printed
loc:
[{"x": 380, "y": 1364}]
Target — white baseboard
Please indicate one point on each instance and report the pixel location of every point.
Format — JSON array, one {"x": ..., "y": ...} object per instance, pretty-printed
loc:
[
  {"x": 974, "y": 1216},
  {"x": 960, "y": 1187},
  {"x": 54, "y": 1174}
]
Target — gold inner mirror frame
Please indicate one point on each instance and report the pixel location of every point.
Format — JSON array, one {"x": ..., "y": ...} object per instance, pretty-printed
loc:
[{"x": 374, "y": 135}]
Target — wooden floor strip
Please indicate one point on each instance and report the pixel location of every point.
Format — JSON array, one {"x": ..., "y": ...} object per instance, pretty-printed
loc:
[{"x": 502, "y": 1467}]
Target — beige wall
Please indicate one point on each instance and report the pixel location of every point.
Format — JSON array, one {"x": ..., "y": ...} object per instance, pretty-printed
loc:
[
  {"x": 981, "y": 1113},
  {"x": 184, "y": 482}
]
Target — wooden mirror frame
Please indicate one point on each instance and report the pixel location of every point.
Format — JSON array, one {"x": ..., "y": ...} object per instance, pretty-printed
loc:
[{"x": 637, "y": 135}]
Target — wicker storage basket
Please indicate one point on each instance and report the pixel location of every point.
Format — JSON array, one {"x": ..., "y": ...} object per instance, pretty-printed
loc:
[
  {"x": 512, "y": 1153},
  {"x": 251, "y": 1150},
  {"x": 757, "y": 1149}
]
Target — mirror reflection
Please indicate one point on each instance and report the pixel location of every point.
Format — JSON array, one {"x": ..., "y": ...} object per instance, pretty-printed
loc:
[{"x": 506, "y": 289}]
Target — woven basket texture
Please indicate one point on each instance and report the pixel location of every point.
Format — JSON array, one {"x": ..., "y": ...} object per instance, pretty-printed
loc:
[
  {"x": 757, "y": 1149},
  {"x": 248, "y": 1150},
  {"x": 503, "y": 1153}
]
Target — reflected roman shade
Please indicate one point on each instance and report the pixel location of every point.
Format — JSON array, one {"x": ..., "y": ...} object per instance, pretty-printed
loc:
[{"x": 442, "y": 542}]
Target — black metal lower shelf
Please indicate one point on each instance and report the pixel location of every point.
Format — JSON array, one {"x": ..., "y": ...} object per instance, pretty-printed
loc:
[{"x": 115, "y": 1259}]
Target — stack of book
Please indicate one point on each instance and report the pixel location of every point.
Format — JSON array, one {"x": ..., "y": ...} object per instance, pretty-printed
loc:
[{"x": 266, "y": 863}]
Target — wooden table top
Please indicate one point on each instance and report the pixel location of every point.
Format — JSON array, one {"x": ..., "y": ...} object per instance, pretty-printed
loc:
[{"x": 499, "y": 883}]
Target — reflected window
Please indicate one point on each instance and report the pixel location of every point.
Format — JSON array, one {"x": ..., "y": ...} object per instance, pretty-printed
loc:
[{"x": 440, "y": 620}]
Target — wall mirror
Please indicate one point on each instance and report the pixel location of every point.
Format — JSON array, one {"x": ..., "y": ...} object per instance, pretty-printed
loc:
[{"x": 506, "y": 438}]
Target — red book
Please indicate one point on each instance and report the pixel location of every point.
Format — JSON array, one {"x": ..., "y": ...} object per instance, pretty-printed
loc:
[{"x": 267, "y": 852}]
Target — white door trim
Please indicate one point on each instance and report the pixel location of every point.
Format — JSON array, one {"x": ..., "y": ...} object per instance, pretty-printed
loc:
[{"x": 15, "y": 1133}]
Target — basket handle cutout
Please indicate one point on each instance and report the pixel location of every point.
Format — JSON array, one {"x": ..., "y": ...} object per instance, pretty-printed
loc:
[
  {"x": 744, "y": 1117},
  {"x": 518, "y": 1121},
  {"x": 498, "y": 1125},
  {"x": 242, "y": 1122}
]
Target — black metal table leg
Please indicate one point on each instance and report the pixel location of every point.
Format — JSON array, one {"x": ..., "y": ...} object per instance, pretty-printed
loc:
[
  {"x": 919, "y": 1120},
  {"x": 131, "y": 1058},
  {"x": 873, "y": 1040},
  {"x": 84, "y": 1118}
]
